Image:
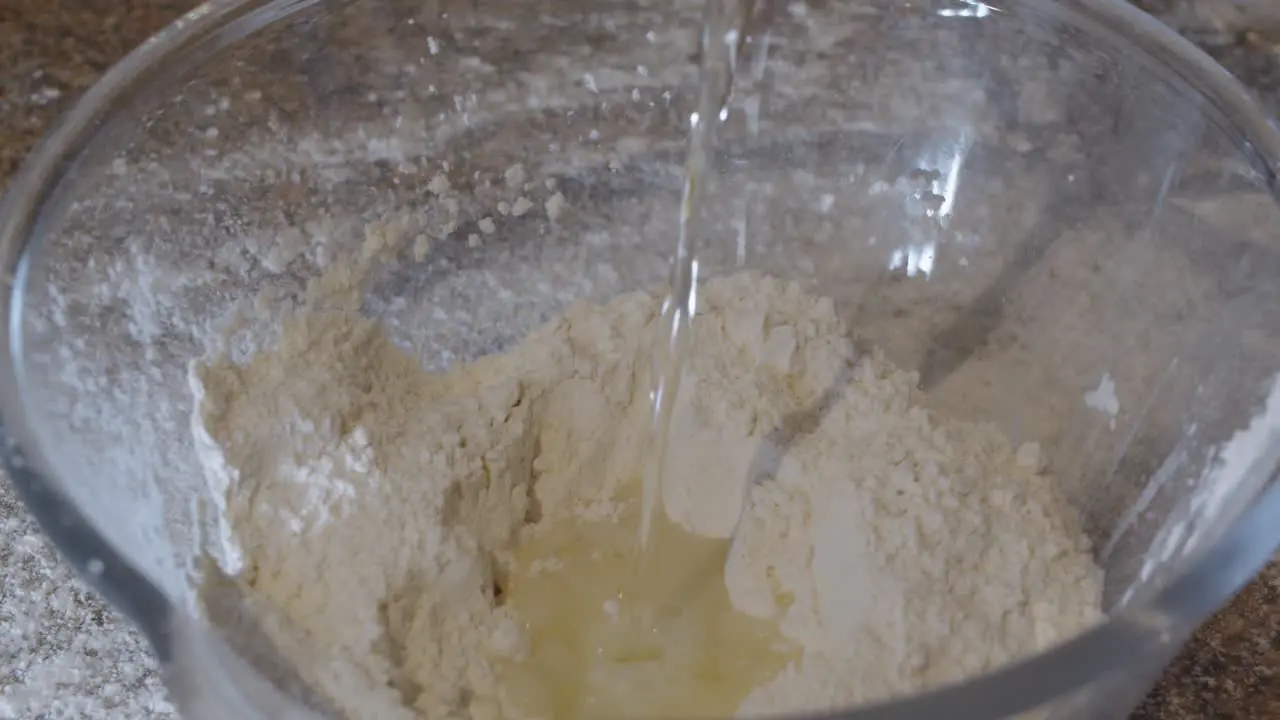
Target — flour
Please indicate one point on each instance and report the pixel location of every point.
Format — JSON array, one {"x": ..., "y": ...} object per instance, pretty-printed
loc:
[{"x": 374, "y": 507}]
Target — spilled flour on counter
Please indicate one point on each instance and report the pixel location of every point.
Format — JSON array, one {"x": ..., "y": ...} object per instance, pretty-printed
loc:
[{"x": 428, "y": 543}]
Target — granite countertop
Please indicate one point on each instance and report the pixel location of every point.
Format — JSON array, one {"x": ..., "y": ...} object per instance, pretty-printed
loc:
[{"x": 63, "y": 654}]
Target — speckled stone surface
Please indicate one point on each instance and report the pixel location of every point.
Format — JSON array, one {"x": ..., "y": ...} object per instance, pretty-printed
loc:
[{"x": 63, "y": 654}]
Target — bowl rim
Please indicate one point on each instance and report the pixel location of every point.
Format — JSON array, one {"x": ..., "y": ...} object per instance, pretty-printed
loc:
[{"x": 1112, "y": 650}]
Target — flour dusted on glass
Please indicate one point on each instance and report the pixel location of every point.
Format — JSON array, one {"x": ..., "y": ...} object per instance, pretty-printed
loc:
[{"x": 376, "y": 507}]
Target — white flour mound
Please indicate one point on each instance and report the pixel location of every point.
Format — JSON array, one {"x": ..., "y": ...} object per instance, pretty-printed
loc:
[{"x": 374, "y": 506}]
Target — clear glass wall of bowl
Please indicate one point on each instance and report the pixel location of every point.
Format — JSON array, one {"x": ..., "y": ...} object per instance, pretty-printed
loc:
[{"x": 1058, "y": 232}]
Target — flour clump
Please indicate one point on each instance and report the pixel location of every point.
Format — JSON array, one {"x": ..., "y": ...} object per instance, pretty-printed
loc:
[{"x": 406, "y": 531}]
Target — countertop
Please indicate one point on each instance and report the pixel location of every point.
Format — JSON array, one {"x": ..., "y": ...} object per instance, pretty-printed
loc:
[{"x": 63, "y": 654}]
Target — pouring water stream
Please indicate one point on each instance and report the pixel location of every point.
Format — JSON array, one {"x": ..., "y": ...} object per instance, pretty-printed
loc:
[
  {"x": 726, "y": 32},
  {"x": 668, "y": 641}
]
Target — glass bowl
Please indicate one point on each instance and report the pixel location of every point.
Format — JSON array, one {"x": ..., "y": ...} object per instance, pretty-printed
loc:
[{"x": 1060, "y": 213}]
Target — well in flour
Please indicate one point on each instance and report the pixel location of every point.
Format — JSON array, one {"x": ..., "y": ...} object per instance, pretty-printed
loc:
[{"x": 398, "y": 522}]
